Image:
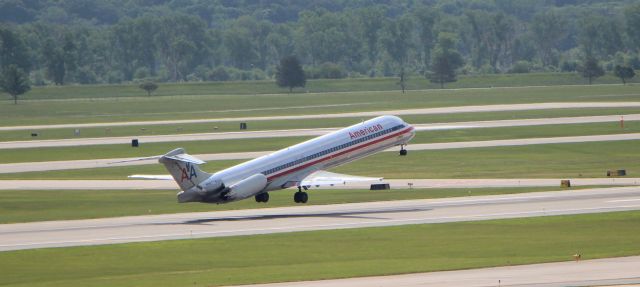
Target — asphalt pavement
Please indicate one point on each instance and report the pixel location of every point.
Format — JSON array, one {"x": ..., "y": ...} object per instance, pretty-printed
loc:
[
  {"x": 622, "y": 271},
  {"x": 313, "y": 217}
]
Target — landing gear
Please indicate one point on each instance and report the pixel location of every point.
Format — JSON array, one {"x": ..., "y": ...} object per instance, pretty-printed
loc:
[
  {"x": 403, "y": 151},
  {"x": 300, "y": 196},
  {"x": 262, "y": 197}
]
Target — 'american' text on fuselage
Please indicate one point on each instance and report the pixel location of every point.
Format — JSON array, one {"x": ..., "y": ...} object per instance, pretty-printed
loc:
[{"x": 365, "y": 131}]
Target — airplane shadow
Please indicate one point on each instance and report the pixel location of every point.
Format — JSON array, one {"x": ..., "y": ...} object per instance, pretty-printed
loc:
[{"x": 340, "y": 214}]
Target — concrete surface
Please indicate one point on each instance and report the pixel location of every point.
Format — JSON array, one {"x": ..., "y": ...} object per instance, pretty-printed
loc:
[
  {"x": 313, "y": 217},
  {"x": 609, "y": 271}
]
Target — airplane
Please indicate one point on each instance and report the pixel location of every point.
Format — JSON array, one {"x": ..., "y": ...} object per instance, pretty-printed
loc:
[{"x": 302, "y": 165}]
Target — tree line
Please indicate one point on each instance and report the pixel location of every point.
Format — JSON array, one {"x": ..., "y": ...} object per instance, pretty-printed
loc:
[{"x": 246, "y": 40}]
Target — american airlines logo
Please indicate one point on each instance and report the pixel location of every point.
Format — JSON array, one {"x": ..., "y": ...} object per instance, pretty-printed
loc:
[
  {"x": 188, "y": 172},
  {"x": 365, "y": 131}
]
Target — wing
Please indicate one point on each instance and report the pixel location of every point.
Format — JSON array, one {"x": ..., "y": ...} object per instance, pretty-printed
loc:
[
  {"x": 325, "y": 178},
  {"x": 151, "y": 176}
]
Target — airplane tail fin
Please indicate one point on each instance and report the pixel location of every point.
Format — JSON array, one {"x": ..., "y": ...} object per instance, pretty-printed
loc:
[{"x": 184, "y": 168}]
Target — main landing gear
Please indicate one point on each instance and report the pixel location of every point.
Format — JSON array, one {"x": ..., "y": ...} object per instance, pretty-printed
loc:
[
  {"x": 300, "y": 196},
  {"x": 403, "y": 151},
  {"x": 262, "y": 197}
]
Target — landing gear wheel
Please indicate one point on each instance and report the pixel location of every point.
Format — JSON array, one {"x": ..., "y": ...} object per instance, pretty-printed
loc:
[
  {"x": 304, "y": 197},
  {"x": 403, "y": 151},
  {"x": 300, "y": 197},
  {"x": 263, "y": 197}
]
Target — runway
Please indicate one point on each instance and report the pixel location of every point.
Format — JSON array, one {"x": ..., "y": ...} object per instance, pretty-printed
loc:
[
  {"x": 394, "y": 183},
  {"x": 305, "y": 132},
  {"x": 318, "y": 217},
  {"x": 99, "y": 163},
  {"x": 599, "y": 272},
  {"x": 424, "y": 111}
]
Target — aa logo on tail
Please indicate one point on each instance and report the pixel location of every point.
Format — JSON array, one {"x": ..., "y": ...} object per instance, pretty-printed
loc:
[{"x": 188, "y": 172}]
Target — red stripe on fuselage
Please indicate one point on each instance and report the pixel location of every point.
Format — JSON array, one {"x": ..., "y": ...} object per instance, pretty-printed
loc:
[{"x": 271, "y": 178}]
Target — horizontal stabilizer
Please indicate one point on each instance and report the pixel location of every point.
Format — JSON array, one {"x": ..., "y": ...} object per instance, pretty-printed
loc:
[
  {"x": 151, "y": 176},
  {"x": 179, "y": 155},
  {"x": 325, "y": 178},
  {"x": 137, "y": 159}
]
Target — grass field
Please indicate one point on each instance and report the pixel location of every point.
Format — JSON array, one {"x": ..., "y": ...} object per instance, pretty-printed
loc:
[
  {"x": 267, "y": 144},
  {"x": 141, "y": 130},
  {"x": 115, "y": 109},
  {"x": 591, "y": 159},
  {"x": 314, "y": 86},
  {"x": 328, "y": 254},
  {"x": 40, "y": 205}
]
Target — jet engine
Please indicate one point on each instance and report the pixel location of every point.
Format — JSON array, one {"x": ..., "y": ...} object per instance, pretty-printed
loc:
[{"x": 247, "y": 187}]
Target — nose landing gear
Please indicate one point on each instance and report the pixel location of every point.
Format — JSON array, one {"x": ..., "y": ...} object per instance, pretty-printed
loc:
[{"x": 403, "y": 151}]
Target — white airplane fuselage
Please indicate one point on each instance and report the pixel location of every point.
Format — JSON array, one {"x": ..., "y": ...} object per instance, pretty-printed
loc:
[{"x": 288, "y": 167}]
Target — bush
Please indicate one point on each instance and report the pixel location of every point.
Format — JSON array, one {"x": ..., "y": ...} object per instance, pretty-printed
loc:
[
  {"x": 141, "y": 73},
  {"x": 115, "y": 77},
  {"x": 634, "y": 62},
  {"x": 85, "y": 75},
  {"x": 220, "y": 73},
  {"x": 520, "y": 67},
  {"x": 38, "y": 78},
  {"x": 327, "y": 70},
  {"x": 569, "y": 66}
]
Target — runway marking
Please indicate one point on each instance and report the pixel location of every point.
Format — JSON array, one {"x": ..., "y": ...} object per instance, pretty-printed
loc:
[
  {"x": 624, "y": 200},
  {"x": 325, "y": 226}
]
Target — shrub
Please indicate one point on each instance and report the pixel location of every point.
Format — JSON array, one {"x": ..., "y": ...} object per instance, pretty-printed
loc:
[{"x": 521, "y": 67}]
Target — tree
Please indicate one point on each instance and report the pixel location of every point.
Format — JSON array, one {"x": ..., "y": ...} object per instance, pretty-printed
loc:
[
  {"x": 327, "y": 37},
  {"x": 13, "y": 50},
  {"x": 54, "y": 58},
  {"x": 181, "y": 43},
  {"x": 397, "y": 41},
  {"x": 492, "y": 37},
  {"x": 371, "y": 20},
  {"x": 591, "y": 69},
  {"x": 632, "y": 17},
  {"x": 548, "y": 28},
  {"x": 14, "y": 81},
  {"x": 149, "y": 86},
  {"x": 599, "y": 36},
  {"x": 445, "y": 60},
  {"x": 425, "y": 19},
  {"x": 624, "y": 72},
  {"x": 290, "y": 74}
]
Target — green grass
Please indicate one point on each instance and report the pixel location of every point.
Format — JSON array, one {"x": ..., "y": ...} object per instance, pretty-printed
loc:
[
  {"x": 141, "y": 130},
  {"x": 590, "y": 159},
  {"x": 313, "y": 86},
  {"x": 328, "y": 254},
  {"x": 41, "y": 205},
  {"x": 522, "y": 132},
  {"x": 214, "y": 106},
  {"x": 145, "y": 149},
  {"x": 267, "y": 144}
]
